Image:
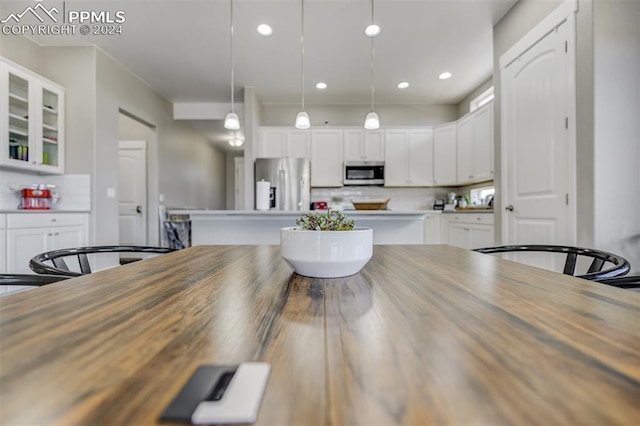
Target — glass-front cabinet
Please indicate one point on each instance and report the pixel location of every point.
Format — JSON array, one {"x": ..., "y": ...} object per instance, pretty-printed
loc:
[{"x": 32, "y": 121}]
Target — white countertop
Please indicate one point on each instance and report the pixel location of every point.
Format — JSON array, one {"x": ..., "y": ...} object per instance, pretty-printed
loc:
[
  {"x": 279, "y": 213},
  {"x": 43, "y": 211}
]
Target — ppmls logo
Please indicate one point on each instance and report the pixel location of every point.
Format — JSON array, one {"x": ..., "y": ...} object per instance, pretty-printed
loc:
[
  {"x": 52, "y": 22},
  {"x": 33, "y": 11}
]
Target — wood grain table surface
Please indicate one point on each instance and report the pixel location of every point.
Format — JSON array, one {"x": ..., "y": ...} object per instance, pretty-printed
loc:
[{"x": 422, "y": 335}]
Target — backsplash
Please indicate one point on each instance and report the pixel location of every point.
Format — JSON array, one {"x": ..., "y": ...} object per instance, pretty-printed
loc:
[
  {"x": 400, "y": 198},
  {"x": 74, "y": 190}
]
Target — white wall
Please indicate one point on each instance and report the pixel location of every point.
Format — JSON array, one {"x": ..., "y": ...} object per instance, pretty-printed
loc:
[
  {"x": 21, "y": 50},
  {"x": 463, "y": 105},
  {"x": 253, "y": 119},
  {"x": 353, "y": 115},
  {"x": 616, "y": 93}
]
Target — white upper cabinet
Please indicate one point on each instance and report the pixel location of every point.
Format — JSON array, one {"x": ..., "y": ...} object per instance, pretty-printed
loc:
[
  {"x": 326, "y": 157},
  {"x": 408, "y": 157},
  {"x": 32, "y": 121},
  {"x": 444, "y": 154},
  {"x": 475, "y": 146},
  {"x": 482, "y": 161},
  {"x": 363, "y": 145},
  {"x": 276, "y": 142}
]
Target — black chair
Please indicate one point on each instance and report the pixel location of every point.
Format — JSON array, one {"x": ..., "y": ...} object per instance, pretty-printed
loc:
[
  {"x": 56, "y": 264},
  {"x": 19, "y": 282},
  {"x": 628, "y": 282},
  {"x": 595, "y": 272},
  {"x": 172, "y": 236}
]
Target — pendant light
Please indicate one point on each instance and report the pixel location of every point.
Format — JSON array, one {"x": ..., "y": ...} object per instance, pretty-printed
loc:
[
  {"x": 372, "y": 121},
  {"x": 231, "y": 121},
  {"x": 302, "y": 118}
]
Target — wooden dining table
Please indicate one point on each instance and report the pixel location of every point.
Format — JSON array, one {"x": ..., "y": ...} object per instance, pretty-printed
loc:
[{"x": 428, "y": 334}]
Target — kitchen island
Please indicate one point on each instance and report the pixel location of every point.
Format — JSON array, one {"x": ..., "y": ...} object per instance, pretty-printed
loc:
[
  {"x": 251, "y": 227},
  {"x": 423, "y": 335}
]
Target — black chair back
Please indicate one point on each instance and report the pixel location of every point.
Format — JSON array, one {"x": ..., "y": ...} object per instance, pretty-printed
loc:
[
  {"x": 595, "y": 272},
  {"x": 629, "y": 282},
  {"x": 59, "y": 266}
]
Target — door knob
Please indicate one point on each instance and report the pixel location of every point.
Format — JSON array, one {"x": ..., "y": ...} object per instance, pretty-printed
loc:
[
  {"x": 138, "y": 209},
  {"x": 509, "y": 207}
]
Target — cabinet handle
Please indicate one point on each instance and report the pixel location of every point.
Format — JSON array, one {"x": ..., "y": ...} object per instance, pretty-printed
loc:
[
  {"x": 54, "y": 220},
  {"x": 49, "y": 234},
  {"x": 56, "y": 233},
  {"x": 470, "y": 177}
]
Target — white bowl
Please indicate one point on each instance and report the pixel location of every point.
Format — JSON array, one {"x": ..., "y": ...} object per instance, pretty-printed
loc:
[{"x": 326, "y": 254}]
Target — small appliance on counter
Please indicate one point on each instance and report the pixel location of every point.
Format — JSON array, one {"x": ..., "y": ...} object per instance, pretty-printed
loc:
[
  {"x": 438, "y": 204},
  {"x": 35, "y": 199},
  {"x": 319, "y": 205}
]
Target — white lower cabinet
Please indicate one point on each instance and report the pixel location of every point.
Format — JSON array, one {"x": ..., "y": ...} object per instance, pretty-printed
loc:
[
  {"x": 432, "y": 229},
  {"x": 29, "y": 234},
  {"x": 470, "y": 230}
]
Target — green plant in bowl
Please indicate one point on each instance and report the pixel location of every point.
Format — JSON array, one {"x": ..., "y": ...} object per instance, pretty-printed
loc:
[
  {"x": 330, "y": 253},
  {"x": 332, "y": 220}
]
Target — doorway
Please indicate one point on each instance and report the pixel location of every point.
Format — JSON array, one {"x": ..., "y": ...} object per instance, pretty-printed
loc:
[
  {"x": 538, "y": 140},
  {"x": 132, "y": 192}
]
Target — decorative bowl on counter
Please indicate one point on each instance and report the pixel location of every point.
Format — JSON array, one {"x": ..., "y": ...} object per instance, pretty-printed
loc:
[
  {"x": 379, "y": 204},
  {"x": 326, "y": 254}
]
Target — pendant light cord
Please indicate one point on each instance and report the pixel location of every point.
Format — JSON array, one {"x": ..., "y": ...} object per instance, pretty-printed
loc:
[
  {"x": 231, "y": 49},
  {"x": 372, "y": 56},
  {"x": 302, "y": 53}
]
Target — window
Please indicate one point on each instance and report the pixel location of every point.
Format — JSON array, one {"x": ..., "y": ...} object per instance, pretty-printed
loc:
[
  {"x": 480, "y": 196},
  {"x": 482, "y": 99}
]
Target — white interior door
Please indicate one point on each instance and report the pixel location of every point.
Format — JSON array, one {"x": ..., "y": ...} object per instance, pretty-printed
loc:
[
  {"x": 132, "y": 192},
  {"x": 239, "y": 182},
  {"x": 538, "y": 165}
]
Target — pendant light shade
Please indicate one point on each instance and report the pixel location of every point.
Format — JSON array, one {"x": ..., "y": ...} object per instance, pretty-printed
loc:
[
  {"x": 302, "y": 118},
  {"x": 231, "y": 121},
  {"x": 371, "y": 120}
]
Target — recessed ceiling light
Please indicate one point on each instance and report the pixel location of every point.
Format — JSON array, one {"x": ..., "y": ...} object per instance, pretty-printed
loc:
[
  {"x": 264, "y": 30},
  {"x": 444, "y": 75},
  {"x": 403, "y": 85},
  {"x": 372, "y": 30},
  {"x": 321, "y": 85}
]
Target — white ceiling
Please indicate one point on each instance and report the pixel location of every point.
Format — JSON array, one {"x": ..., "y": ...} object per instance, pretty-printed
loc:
[{"x": 181, "y": 47}]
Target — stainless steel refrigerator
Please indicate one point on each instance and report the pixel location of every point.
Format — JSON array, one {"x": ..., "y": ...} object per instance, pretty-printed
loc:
[{"x": 290, "y": 180}]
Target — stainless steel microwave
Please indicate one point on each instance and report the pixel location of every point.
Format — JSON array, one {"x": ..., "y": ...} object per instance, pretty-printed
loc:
[{"x": 363, "y": 173}]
